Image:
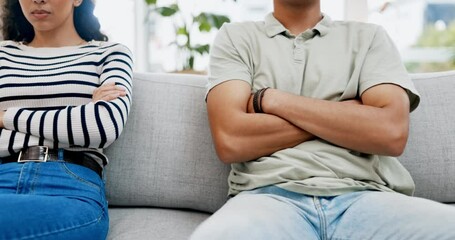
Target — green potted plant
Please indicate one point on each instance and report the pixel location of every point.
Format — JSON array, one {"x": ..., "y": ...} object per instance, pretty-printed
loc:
[{"x": 185, "y": 27}]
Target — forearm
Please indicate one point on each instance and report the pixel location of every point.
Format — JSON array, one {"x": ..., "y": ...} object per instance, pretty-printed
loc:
[
  {"x": 12, "y": 142},
  {"x": 240, "y": 135},
  {"x": 250, "y": 136},
  {"x": 363, "y": 128},
  {"x": 94, "y": 125}
]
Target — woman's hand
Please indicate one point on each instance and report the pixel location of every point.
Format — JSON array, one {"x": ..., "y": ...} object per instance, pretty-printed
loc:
[
  {"x": 108, "y": 92},
  {"x": 1, "y": 119}
]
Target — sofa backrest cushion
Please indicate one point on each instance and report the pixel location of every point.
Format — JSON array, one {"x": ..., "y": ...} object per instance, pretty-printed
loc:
[
  {"x": 430, "y": 152},
  {"x": 165, "y": 155}
]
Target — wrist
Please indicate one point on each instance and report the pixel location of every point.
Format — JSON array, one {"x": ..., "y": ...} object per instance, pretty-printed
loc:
[
  {"x": 257, "y": 100},
  {"x": 268, "y": 100}
]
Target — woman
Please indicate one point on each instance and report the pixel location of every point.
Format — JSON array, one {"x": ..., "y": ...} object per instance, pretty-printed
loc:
[{"x": 65, "y": 94}]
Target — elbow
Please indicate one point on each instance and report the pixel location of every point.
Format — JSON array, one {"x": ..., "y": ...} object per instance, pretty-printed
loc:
[
  {"x": 396, "y": 142},
  {"x": 107, "y": 143},
  {"x": 110, "y": 136},
  {"x": 225, "y": 156},
  {"x": 227, "y": 149},
  {"x": 226, "y": 153},
  {"x": 396, "y": 151}
]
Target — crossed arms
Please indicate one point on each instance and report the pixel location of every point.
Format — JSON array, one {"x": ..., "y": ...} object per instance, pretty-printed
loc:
[
  {"x": 376, "y": 124},
  {"x": 95, "y": 124}
]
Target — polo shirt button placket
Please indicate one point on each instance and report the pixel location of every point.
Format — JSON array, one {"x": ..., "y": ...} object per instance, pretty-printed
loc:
[{"x": 299, "y": 51}]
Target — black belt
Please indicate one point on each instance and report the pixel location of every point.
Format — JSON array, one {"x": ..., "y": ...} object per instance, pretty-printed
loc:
[{"x": 44, "y": 154}]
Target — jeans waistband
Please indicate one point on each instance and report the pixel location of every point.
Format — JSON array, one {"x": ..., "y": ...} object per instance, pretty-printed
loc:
[{"x": 44, "y": 154}]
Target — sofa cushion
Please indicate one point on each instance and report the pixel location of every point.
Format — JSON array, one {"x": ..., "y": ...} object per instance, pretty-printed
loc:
[
  {"x": 172, "y": 162},
  {"x": 430, "y": 152},
  {"x": 152, "y": 223},
  {"x": 165, "y": 156}
]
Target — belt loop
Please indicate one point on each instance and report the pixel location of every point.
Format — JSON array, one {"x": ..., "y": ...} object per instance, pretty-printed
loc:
[{"x": 60, "y": 154}]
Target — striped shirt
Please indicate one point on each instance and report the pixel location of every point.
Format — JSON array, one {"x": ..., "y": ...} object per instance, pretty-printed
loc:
[{"x": 46, "y": 94}]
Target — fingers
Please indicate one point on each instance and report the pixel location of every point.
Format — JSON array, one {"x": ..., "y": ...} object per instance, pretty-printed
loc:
[
  {"x": 111, "y": 95},
  {"x": 103, "y": 89},
  {"x": 2, "y": 113},
  {"x": 108, "y": 92}
]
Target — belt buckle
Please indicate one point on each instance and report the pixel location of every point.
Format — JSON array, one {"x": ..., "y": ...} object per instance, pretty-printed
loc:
[{"x": 34, "y": 154}]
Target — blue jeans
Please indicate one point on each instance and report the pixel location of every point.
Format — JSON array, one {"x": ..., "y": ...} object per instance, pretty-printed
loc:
[
  {"x": 51, "y": 200},
  {"x": 274, "y": 213}
]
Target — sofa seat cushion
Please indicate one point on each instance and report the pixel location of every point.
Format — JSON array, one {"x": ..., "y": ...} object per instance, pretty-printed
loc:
[{"x": 152, "y": 223}]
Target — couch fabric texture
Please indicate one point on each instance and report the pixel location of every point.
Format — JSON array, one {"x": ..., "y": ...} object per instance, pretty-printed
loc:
[{"x": 164, "y": 177}]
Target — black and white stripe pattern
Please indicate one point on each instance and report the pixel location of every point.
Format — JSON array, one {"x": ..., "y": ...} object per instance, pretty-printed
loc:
[{"x": 47, "y": 95}]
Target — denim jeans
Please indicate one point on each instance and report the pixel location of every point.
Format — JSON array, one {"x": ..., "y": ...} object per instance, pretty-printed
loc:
[
  {"x": 51, "y": 200},
  {"x": 274, "y": 213}
]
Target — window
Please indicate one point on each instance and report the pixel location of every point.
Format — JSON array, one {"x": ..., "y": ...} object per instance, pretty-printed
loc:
[
  {"x": 423, "y": 30},
  {"x": 117, "y": 19},
  {"x": 163, "y": 54}
]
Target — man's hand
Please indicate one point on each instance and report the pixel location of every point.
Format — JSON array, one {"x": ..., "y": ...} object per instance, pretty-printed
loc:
[{"x": 108, "y": 92}]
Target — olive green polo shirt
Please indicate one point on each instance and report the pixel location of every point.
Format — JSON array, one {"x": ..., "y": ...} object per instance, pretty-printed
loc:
[{"x": 333, "y": 61}]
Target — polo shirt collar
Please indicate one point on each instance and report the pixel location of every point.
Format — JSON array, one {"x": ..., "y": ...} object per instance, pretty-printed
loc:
[{"x": 273, "y": 27}]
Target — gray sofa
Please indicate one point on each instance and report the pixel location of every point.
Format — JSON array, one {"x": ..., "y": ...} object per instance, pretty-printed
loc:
[{"x": 164, "y": 177}]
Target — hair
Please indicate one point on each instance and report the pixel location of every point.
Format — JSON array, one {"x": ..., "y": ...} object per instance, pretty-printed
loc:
[{"x": 17, "y": 28}]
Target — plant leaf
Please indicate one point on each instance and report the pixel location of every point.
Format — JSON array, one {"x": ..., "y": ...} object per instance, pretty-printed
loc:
[
  {"x": 201, "y": 49},
  {"x": 207, "y": 21},
  {"x": 150, "y": 2},
  {"x": 219, "y": 20},
  {"x": 205, "y": 27},
  {"x": 168, "y": 11},
  {"x": 182, "y": 31},
  {"x": 191, "y": 62}
]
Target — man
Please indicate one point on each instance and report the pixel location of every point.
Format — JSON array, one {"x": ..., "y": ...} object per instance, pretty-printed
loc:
[{"x": 312, "y": 148}]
